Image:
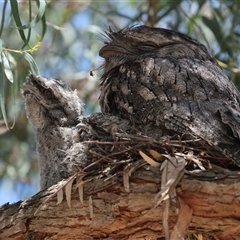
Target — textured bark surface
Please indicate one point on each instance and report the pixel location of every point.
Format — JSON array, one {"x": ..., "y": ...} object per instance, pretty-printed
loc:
[{"x": 115, "y": 214}]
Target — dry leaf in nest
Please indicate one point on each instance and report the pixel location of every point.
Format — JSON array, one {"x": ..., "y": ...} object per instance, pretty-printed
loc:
[
  {"x": 68, "y": 189},
  {"x": 172, "y": 172},
  {"x": 149, "y": 160},
  {"x": 127, "y": 172},
  {"x": 59, "y": 196},
  {"x": 79, "y": 186},
  {"x": 171, "y": 176},
  {"x": 156, "y": 155},
  {"x": 183, "y": 222}
]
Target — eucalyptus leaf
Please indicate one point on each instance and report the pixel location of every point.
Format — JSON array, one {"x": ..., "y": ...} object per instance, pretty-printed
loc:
[
  {"x": 16, "y": 17},
  {"x": 214, "y": 26},
  {"x": 32, "y": 63},
  {"x": 68, "y": 190},
  {"x": 41, "y": 10},
  {"x": 7, "y": 66},
  {"x": 1, "y": 43},
  {"x": 44, "y": 26},
  {"x": 3, "y": 17},
  {"x": 2, "y": 99},
  {"x": 29, "y": 29}
]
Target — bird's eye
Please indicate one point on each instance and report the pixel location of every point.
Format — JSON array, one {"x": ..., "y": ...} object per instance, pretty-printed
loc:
[{"x": 47, "y": 93}]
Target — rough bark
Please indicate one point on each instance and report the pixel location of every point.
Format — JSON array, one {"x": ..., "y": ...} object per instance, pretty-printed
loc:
[{"x": 117, "y": 214}]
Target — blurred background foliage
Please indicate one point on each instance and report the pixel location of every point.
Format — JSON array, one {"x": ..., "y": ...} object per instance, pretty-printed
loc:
[{"x": 61, "y": 39}]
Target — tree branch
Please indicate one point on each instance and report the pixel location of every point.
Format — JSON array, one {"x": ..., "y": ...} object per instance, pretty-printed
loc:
[{"x": 121, "y": 215}]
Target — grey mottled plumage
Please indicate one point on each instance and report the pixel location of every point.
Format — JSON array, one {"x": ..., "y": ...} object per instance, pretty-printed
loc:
[
  {"x": 54, "y": 111},
  {"x": 164, "y": 77}
]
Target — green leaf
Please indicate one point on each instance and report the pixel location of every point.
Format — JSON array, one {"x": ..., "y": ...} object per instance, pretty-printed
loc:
[
  {"x": 29, "y": 30},
  {"x": 1, "y": 43},
  {"x": 44, "y": 26},
  {"x": 33, "y": 66},
  {"x": 2, "y": 100},
  {"x": 15, "y": 13},
  {"x": 3, "y": 17},
  {"x": 41, "y": 10},
  {"x": 6, "y": 60},
  {"x": 214, "y": 26},
  {"x": 32, "y": 22}
]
